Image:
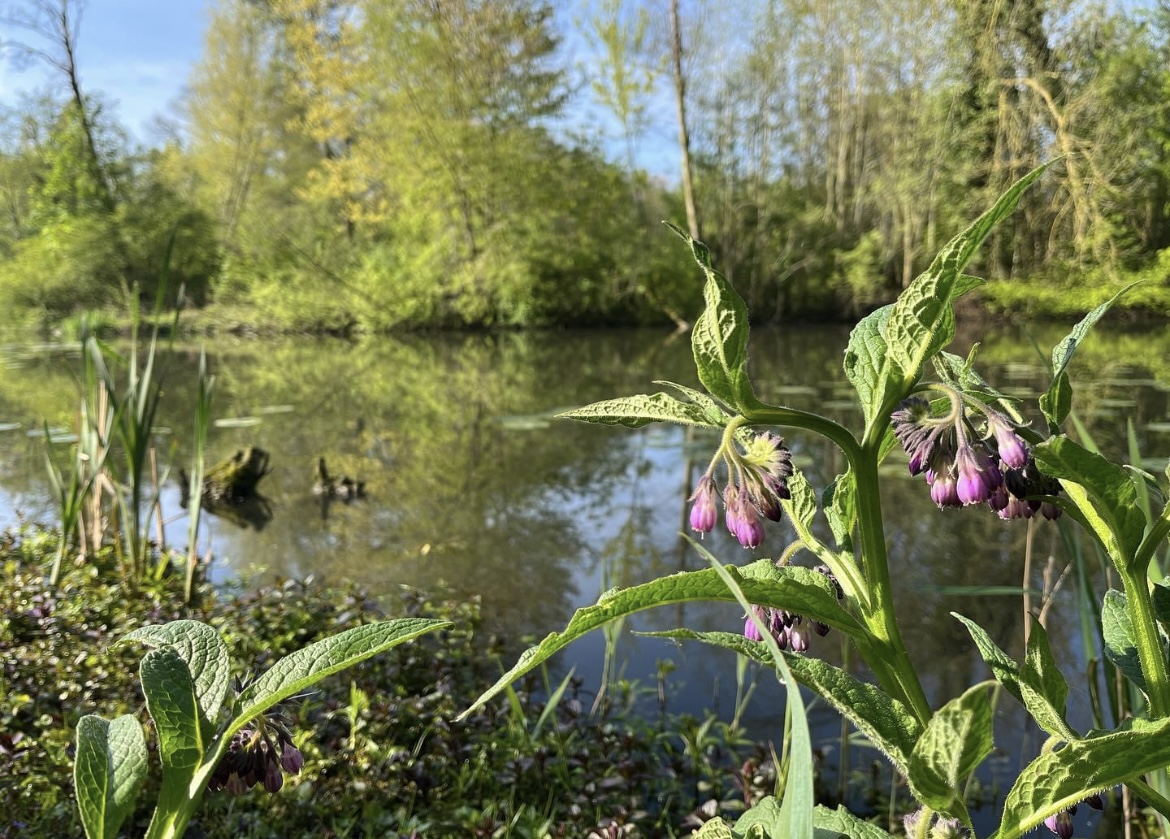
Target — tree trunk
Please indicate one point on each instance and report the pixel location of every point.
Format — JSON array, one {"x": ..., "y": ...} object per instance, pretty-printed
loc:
[{"x": 684, "y": 140}]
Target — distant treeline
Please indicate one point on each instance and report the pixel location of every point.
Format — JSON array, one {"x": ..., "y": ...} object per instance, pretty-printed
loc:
[{"x": 380, "y": 164}]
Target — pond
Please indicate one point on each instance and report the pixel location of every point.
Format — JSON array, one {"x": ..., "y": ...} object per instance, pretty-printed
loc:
[{"x": 471, "y": 484}]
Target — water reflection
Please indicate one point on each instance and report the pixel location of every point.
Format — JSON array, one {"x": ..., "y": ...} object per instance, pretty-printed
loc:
[{"x": 470, "y": 484}]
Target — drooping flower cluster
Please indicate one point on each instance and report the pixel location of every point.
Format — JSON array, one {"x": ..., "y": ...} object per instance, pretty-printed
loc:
[
  {"x": 790, "y": 630},
  {"x": 1062, "y": 825},
  {"x": 963, "y": 466},
  {"x": 253, "y": 758},
  {"x": 757, "y": 483}
]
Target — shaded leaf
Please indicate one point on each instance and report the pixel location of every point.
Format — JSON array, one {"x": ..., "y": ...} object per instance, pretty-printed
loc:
[
  {"x": 1057, "y": 401},
  {"x": 1120, "y": 638},
  {"x": 956, "y": 740},
  {"x": 108, "y": 771},
  {"x": 172, "y": 701},
  {"x": 1027, "y": 685}
]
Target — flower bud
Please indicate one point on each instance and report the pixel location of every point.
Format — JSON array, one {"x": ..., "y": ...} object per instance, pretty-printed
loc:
[{"x": 704, "y": 512}]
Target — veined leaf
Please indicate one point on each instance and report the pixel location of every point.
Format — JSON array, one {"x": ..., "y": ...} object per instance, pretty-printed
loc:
[
  {"x": 204, "y": 652},
  {"x": 714, "y": 413},
  {"x": 885, "y": 721},
  {"x": 1058, "y": 779},
  {"x": 840, "y": 505},
  {"x": 1057, "y": 401},
  {"x": 791, "y": 588},
  {"x": 1120, "y": 638},
  {"x": 1040, "y": 673},
  {"x": 866, "y": 365},
  {"x": 309, "y": 665},
  {"x": 956, "y": 740},
  {"x": 1101, "y": 490},
  {"x": 719, "y": 337},
  {"x": 922, "y": 321},
  {"x": 173, "y": 704},
  {"x": 1031, "y": 685},
  {"x": 832, "y": 824},
  {"x": 108, "y": 771},
  {"x": 637, "y": 411}
]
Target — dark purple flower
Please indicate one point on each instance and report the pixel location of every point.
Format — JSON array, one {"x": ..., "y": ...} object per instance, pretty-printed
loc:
[
  {"x": 704, "y": 512},
  {"x": 798, "y": 637},
  {"x": 977, "y": 476}
]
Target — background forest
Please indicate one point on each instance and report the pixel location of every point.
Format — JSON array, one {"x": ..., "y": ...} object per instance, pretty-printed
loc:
[{"x": 378, "y": 164}]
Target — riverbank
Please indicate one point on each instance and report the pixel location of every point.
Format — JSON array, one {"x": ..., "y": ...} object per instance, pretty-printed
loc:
[{"x": 383, "y": 756}]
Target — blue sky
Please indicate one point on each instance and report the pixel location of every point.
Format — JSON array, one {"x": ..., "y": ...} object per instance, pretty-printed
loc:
[{"x": 138, "y": 52}]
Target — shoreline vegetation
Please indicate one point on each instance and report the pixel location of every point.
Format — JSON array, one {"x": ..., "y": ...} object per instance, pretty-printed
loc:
[{"x": 380, "y": 757}]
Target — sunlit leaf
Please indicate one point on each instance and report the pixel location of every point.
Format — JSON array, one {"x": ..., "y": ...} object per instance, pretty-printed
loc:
[
  {"x": 204, "y": 652},
  {"x": 1058, "y": 779},
  {"x": 637, "y": 411},
  {"x": 1120, "y": 638},
  {"x": 791, "y": 588}
]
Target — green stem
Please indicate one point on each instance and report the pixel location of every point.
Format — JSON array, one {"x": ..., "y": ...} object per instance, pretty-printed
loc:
[
  {"x": 1140, "y": 608},
  {"x": 1153, "y": 541},
  {"x": 889, "y": 659},
  {"x": 881, "y": 620},
  {"x": 1151, "y": 796}
]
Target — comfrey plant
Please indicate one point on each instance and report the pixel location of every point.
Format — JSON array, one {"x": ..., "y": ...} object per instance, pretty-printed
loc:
[
  {"x": 971, "y": 446},
  {"x": 210, "y": 737}
]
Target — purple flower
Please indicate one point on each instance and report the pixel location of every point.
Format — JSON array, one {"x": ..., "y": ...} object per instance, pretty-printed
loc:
[
  {"x": 1013, "y": 451},
  {"x": 704, "y": 512},
  {"x": 1061, "y": 823},
  {"x": 944, "y": 489},
  {"x": 743, "y": 520},
  {"x": 750, "y": 630},
  {"x": 977, "y": 475}
]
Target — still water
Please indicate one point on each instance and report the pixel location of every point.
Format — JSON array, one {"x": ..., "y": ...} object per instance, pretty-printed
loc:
[{"x": 471, "y": 484}]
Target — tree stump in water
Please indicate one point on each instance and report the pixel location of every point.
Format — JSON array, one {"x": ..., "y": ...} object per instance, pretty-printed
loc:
[
  {"x": 229, "y": 489},
  {"x": 235, "y": 479}
]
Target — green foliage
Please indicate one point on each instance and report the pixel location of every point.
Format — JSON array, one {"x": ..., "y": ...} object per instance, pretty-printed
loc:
[{"x": 389, "y": 764}]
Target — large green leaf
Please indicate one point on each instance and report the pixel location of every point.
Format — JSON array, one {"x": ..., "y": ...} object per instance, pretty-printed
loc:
[
  {"x": 1040, "y": 674},
  {"x": 1057, "y": 401},
  {"x": 886, "y": 722},
  {"x": 1101, "y": 490},
  {"x": 1058, "y": 779},
  {"x": 762, "y": 822},
  {"x": 801, "y": 508},
  {"x": 204, "y": 652},
  {"x": 311, "y": 664},
  {"x": 719, "y": 337},
  {"x": 1034, "y": 686},
  {"x": 955, "y": 741},
  {"x": 795, "y": 589},
  {"x": 108, "y": 771},
  {"x": 922, "y": 321},
  {"x": 172, "y": 701},
  {"x": 637, "y": 411},
  {"x": 1120, "y": 638},
  {"x": 866, "y": 365}
]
